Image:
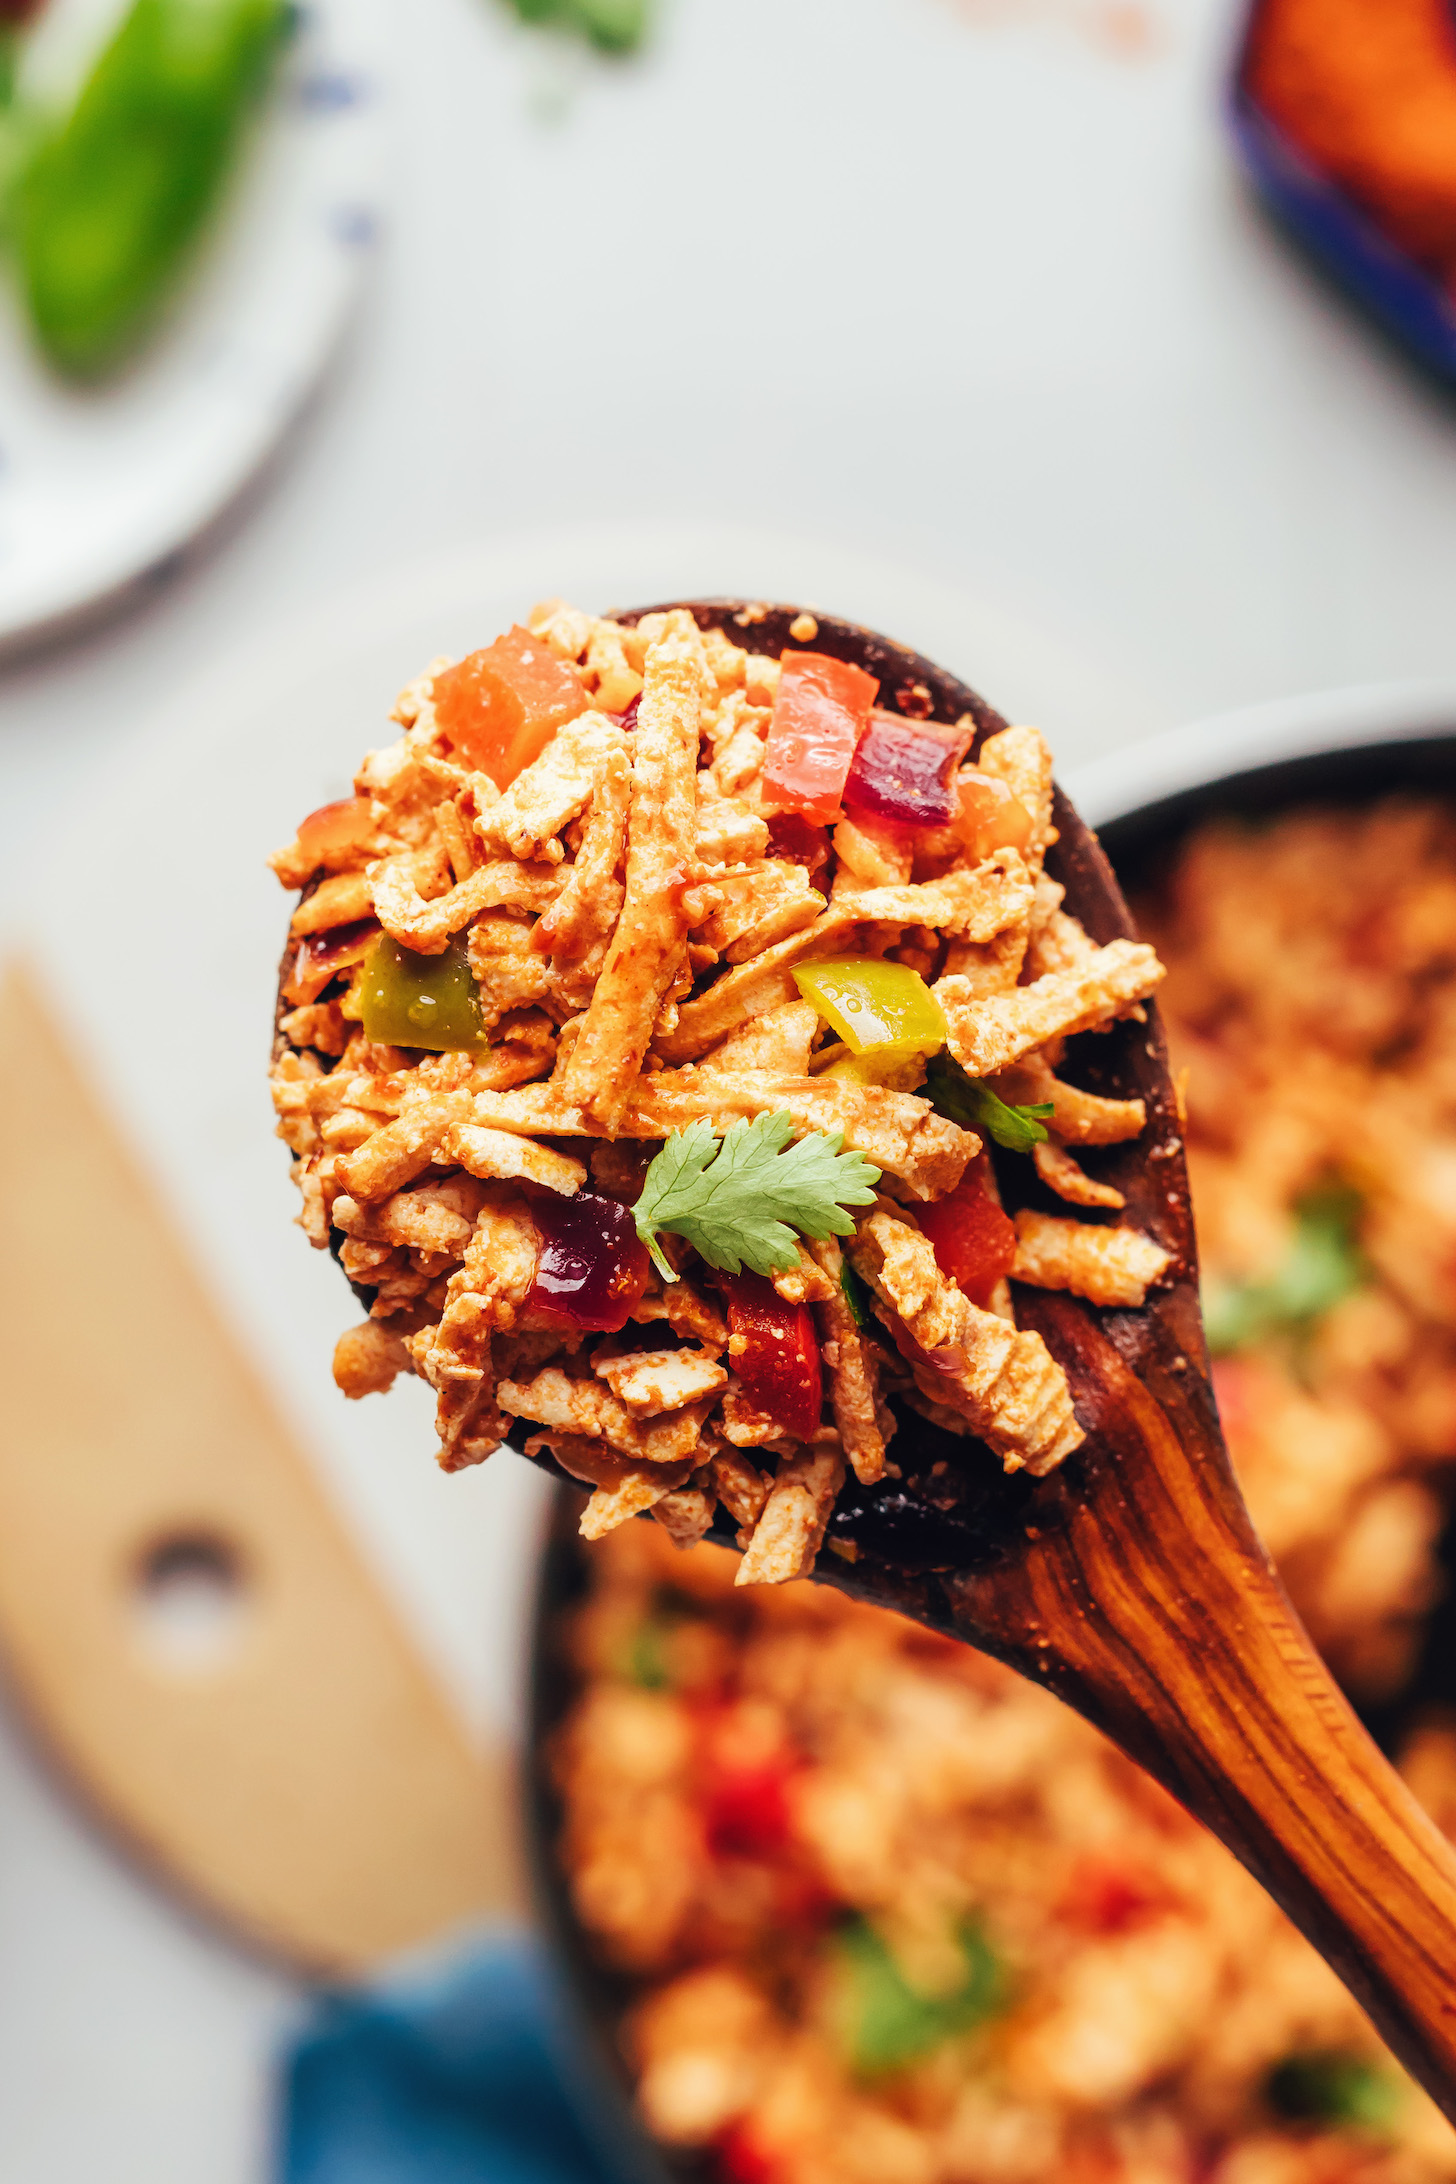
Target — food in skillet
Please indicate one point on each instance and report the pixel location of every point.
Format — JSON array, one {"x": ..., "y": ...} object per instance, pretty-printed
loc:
[
  {"x": 1311, "y": 999},
  {"x": 649, "y": 1010},
  {"x": 877, "y": 1910},
  {"x": 1366, "y": 91},
  {"x": 888, "y": 1912}
]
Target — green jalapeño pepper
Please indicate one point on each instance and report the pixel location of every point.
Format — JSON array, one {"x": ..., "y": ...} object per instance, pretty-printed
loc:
[
  {"x": 109, "y": 201},
  {"x": 885, "y": 1013},
  {"x": 421, "y": 1000}
]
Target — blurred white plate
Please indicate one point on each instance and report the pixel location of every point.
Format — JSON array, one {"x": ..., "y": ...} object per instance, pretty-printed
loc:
[
  {"x": 101, "y": 487},
  {"x": 168, "y": 865}
]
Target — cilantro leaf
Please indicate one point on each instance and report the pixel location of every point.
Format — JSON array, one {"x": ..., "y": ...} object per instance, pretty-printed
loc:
[
  {"x": 616, "y": 26},
  {"x": 1323, "y": 1265},
  {"x": 965, "y": 1100},
  {"x": 1328, "y": 2087},
  {"x": 738, "y": 1201},
  {"x": 883, "y": 2023}
]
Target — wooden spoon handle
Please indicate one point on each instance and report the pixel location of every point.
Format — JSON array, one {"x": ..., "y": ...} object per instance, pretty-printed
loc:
[{"x": 1172, "y": 1632}]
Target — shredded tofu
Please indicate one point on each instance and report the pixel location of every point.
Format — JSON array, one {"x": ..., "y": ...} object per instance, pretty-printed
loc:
[
  {"x": 988, "y": 1032},
  {"x": 788, "y": 1535},
  {"x": 630, "y": 909},
  {"x": 651, "y": 1381},
  {"x": 1058, "y": 1170},
  {"x": 1104, "y": 1265},
  {"x": 1004, "y": 1383},
  {"x": 645, "y": 950}
]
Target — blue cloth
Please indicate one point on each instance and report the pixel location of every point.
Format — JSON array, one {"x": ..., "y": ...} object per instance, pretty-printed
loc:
[{"x": 461, "y": 2077}]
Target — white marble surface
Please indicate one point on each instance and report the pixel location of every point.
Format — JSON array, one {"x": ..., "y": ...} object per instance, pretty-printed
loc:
[{"x": 942, "y": 283}]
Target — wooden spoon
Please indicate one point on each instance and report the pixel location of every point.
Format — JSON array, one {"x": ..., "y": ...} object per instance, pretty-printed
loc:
[{"x": 1131, "y": 1582}]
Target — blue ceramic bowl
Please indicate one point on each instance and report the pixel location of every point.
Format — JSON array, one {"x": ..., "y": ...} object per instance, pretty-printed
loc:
[{"x": 1400, "y": 295}]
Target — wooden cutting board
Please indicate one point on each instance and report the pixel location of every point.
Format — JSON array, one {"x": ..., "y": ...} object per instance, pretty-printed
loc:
[{"x": 181, "y": 1613}]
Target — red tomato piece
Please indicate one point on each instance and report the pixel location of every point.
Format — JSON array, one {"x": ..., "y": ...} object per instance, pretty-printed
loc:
[
  {"x": 330, "y": 834},
  {"x": 774, "y": 1350},
  {"x": 903, "y": 771},
  {"x": 592, "y": 1266},
  {"x": 974, "y": 1242},
  {"x": 746, "y": 1812},
  {"x": 501, "y": 707},
  {"x": 1106, "y": 1898},
  {"x": 990, "y": 817},
  {"x": 741, "y": 2160},
  {"x": 818, "y": 717}
]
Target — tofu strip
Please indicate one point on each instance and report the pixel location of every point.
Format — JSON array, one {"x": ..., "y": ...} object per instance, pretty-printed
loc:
[
  {"x": 976, "y": 905},
  {"x": 577, "y": 929},
  {"x": 899, "y": 1132},
  {"x": 1005, "y": 1384},
  {"x": 646, "y": 949},
  {"x": 852, "y": 1376},
  {"x": 990, "y": 1031}
]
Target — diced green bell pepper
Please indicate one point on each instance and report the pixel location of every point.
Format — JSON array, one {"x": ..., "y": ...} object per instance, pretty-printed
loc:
[{"x": 429, "y": 1001}]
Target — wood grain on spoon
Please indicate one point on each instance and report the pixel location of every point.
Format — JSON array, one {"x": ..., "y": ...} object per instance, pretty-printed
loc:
[{"x": 1132, "y": 1582}]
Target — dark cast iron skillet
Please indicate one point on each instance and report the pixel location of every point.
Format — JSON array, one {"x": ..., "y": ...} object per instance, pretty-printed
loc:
[{"x": 1130, "y": 1583}]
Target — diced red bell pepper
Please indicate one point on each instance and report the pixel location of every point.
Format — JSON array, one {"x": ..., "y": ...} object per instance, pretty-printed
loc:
[
  {"x": 903, "y": 771},
  {"x": 773, "y": 1348},
  {"x": 501, "y": 707},
  {"x": 819, "y": 714},
  {"x": 333, "y": 832},
  {"x": 591, "y": 1265},
  {"x": 990, "y": 817},
  {"x": 974, "y": 1242}
]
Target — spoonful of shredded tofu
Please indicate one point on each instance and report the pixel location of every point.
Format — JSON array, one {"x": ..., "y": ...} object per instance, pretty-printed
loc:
[{"x": 725, "y": 1069}]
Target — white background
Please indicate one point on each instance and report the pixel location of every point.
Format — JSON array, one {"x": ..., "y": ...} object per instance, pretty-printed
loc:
[{"x": 965, "y": 289}]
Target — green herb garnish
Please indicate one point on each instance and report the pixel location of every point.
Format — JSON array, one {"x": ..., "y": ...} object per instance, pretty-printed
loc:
[
  {"x": 740, "y": 1200},
  {"x": 1337, "y": 2089},
  {"x": 965, "y": 1100},
  {"x": 1323, "y": 1265},
  {"x": 616, "y": 26},
  {"x": 884, "y": 2022},
  {"x": 857, "y": 1297},
  {"x": 644, "y": 1656}
]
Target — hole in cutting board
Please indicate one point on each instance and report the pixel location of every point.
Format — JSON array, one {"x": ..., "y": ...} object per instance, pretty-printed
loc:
[{"x": 190, "y": 1599}]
